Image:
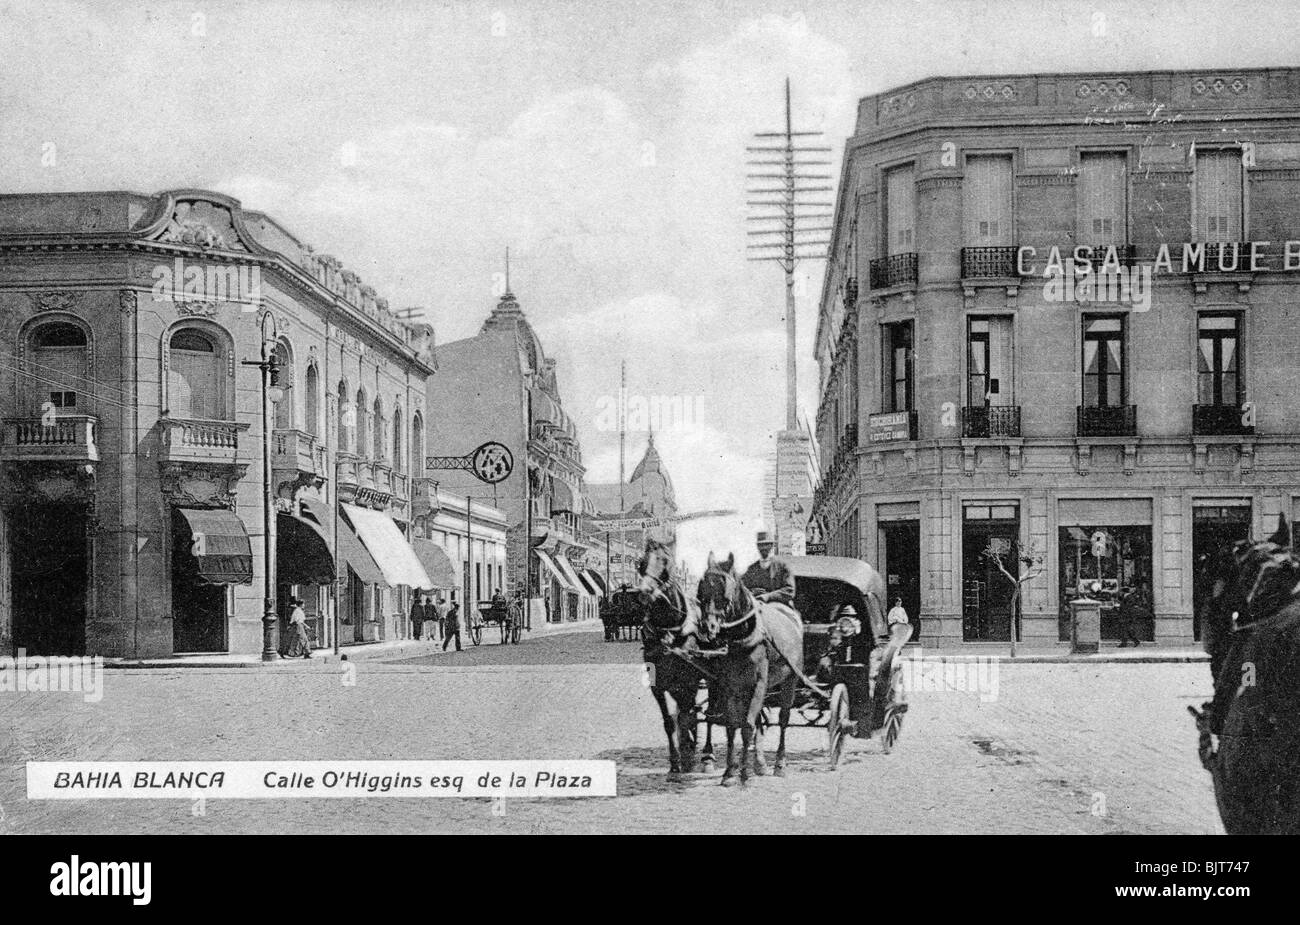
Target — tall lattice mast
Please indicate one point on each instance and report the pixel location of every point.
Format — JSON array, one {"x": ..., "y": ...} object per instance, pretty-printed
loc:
[{"x": 786, "y": 226}]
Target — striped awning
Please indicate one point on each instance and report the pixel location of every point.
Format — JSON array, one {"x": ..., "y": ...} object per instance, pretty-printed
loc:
[
  {"x": 554, "y": 569},
  {"x": 218, "y": 544},
  {"x": 572, "y": 574},
  {"x": 593, "y": 581},
  {"x": 302, "y": 552}
]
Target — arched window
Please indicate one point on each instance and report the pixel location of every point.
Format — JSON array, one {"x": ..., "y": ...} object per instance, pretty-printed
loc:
[
  {"x": 57, "y": 367},
  {"x": 380, "y": 445},
  {"x": 398, "y": 462},
  {"x": 346, "y": 419},
  {"x": 195, "y": 388},
  {"x": 417, "y": 444},
  {"x": 362, "y": 443},
  {"x": 311, "y": 415},
  {"x": 284, "y": 379}
]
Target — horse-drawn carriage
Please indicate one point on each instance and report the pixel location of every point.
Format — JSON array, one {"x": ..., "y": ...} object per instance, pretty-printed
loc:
[
  {"x": 621, "y": 613},
  {"x": 850, "y": 652},
  {"x": 502, "y": 614}
]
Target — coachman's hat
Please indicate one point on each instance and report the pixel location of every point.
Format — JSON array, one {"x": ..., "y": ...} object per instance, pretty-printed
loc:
[{"x": 765, "y": 538}]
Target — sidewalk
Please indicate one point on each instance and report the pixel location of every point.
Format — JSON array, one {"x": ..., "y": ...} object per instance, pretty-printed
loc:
[
  {"x": 391, "y": 649},
  {"x": 1108, "y": 655}
]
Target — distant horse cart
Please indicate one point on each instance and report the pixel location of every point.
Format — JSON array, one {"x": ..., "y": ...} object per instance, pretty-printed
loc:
[
  {"x": 502, "y": 614},
  {"x": 621, "y": 613}
]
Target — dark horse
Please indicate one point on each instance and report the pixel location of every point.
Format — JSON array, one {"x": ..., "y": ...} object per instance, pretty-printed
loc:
[
  {"x": 669, "y": 622},
  {"x": 1250, "y": 731},
  {"x": 764, "y": 653}
]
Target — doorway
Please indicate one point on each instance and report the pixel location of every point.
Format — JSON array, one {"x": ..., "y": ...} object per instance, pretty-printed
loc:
[
  {"x": 1213, "y": 527},
  {"x": 49, "y": 576},
  {"x": 899, "y": 546},
  {"x": 988, "y": 596},
  {"x": 198, "y": 607}
]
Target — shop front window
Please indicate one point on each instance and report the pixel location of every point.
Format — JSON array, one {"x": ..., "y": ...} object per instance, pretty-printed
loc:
[
  {"x": 1111, "y": 564},
  {"x": 988, "y": 596}
]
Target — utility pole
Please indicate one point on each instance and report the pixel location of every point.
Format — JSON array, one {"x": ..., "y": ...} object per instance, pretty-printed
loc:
[
  {"x": 786, "y": 220},
  {"x": 788, "y": 215}
]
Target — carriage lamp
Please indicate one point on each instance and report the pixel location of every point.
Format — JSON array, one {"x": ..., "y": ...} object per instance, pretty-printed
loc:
[
  {"x": 1095, "y": 587},
  {"x": 849, "y": 626}
]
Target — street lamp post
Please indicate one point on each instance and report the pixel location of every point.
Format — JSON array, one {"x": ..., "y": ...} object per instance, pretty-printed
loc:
[{"x": 271, "y": 394}]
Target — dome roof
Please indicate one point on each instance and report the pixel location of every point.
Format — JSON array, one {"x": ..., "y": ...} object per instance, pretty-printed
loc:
[
  {"x": 508, "y": 314},
  {"x": 651, "y": 477}
]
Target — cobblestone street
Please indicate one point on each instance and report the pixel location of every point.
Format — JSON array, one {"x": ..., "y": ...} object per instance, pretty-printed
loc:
[{"x": 1065, "y": 748}]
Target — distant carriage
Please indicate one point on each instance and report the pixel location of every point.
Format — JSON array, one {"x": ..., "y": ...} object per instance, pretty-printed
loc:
[
  {"x": 502, "y": 614},
  {"x": 622, "y": 613}
]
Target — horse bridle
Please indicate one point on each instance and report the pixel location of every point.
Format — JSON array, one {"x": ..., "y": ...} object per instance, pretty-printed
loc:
[{"x": 750, "y": 614}]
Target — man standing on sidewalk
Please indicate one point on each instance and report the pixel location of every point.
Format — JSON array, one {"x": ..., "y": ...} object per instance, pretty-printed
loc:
[{"x": 417, "y": 615}]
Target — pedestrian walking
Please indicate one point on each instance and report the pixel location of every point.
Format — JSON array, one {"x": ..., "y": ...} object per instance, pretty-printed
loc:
[
  {"x": 417, "y": 615},
  {"x": 440, "y": 612},
  {"x": 296, "y": 645},
  {"x": 452, "y": 627},
  {"x": 1130, "y": 608}
]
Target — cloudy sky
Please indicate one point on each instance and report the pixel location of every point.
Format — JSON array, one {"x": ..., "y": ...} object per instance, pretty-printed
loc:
[{"x": 602, "y": 142}]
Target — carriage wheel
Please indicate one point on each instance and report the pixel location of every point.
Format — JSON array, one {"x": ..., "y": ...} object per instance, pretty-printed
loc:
[
  {"x": 837, "y": 726},
  {"x": 476, "y": 634},
  {"x": 894, "y": 711},
  {"x": 516, "y": 629}
]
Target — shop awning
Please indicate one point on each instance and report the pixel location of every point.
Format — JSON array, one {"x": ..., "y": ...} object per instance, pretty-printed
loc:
[
  {"x": 218, "y": 544},
  {"x": 436, "y": 562},
  {"x": 388, "y": 547},
  {"x": 302, "y": 552},
  {"x": 571, "y": 573},
  {"x": 554, "y": 569},
  {"x": 593, "y": 581},
  {"x": 317, "y": 510},
  {"x": 358, "y": 558}
]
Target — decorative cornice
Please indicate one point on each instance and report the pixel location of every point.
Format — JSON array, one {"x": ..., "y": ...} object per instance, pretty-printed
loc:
[
  {"x": 1274, "y": 173},
  {"x": 1046, "y": 179},
  {"x": 941, "y": 182}
]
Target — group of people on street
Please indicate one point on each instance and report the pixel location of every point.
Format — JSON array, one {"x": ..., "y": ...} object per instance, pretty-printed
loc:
[{"x": 435, "y": 620}]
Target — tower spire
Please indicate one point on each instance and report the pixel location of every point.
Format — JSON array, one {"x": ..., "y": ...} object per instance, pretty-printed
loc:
[{"x": 508, "y": 292}]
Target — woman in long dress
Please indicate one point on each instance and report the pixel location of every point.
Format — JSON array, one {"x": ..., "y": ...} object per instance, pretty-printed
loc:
[{"x": 297, "y": 645}]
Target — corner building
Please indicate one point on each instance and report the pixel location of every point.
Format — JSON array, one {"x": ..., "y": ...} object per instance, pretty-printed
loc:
[{"x": 974, "y": 394}]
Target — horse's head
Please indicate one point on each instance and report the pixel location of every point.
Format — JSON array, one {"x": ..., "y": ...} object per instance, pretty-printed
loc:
[
  {"x": 720, "y": 596},
  {"x": 1244, "y": 581},
  {"x": 654, "y": 570}
]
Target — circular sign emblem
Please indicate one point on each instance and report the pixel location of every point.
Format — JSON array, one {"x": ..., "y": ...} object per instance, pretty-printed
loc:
[{"x": 493, "y": 463}]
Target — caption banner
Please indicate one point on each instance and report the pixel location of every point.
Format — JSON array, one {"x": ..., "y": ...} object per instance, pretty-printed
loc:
[{"x": 271, "y": 780}]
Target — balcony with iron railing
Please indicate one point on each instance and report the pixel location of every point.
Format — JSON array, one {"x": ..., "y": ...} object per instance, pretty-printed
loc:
[
  {"x": 894, "y": 270},
  {"x": 1107, "y": 421},
  {"x": 990, "y": 421},
  {"x": 66, "y": 438},
  {"x": 200, "y": 442},
  {"x": 1220, "y": 421},
  {"x": 1000, "y": 262}
]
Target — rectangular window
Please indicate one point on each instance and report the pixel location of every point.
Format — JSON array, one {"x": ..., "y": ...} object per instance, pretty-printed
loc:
[
  {"x": 1219, "y": 179},
  {"x": 63, "y": 399},
  {"x": 989, "y": 362},
  {"x": 1103, "y": 361},
  {"x": 1218, "y": 379},
  {"x": 900, "y": 210},
  {"x": 1103, "y": 180},
  {"x": 897, "y": 350},
  {"x": 986, "y": 200}
]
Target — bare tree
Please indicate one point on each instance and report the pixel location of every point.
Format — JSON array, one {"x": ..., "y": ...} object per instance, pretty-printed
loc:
[{"x": 1029, "y": 562}]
